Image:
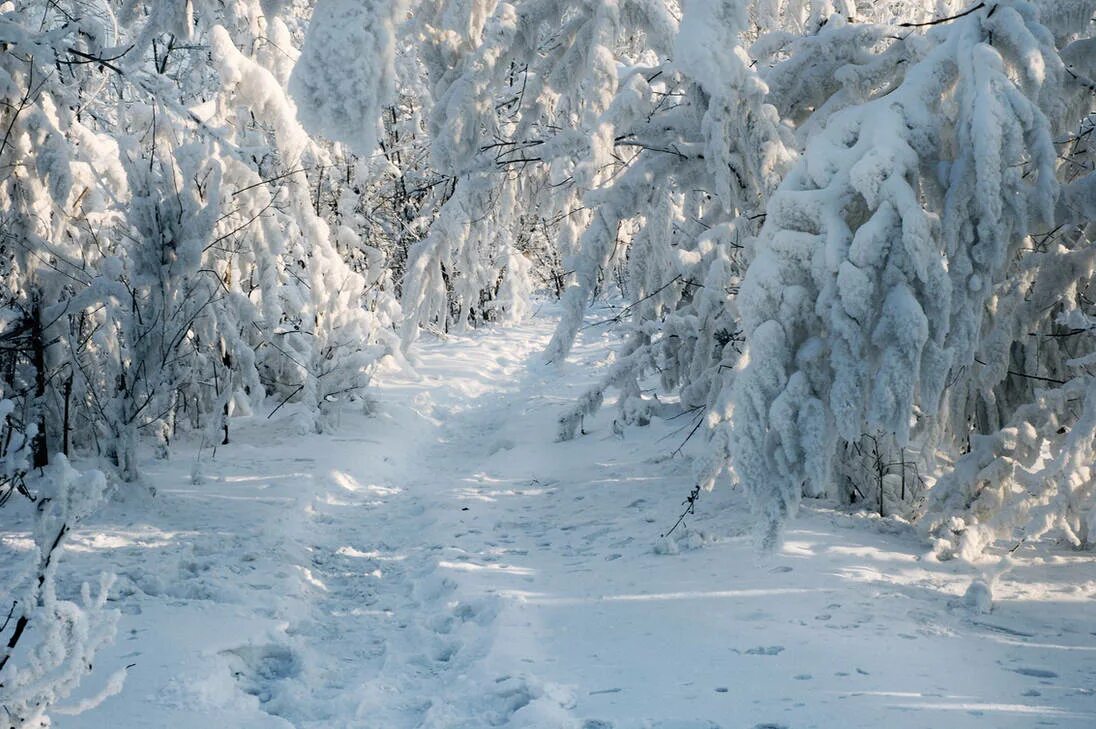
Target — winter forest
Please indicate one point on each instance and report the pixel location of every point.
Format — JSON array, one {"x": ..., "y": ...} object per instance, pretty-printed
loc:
[{"x": 578, "y": 364}]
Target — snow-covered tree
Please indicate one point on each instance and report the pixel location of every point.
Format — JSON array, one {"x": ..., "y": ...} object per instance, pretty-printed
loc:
[
  {"x": 167, "y": 263},
  {"x": 881, "y": 293},
  {"x": 886, "y": 313}
]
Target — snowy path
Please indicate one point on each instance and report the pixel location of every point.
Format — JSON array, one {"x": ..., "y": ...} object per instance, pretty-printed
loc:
[{"x": 444, "y": 564}]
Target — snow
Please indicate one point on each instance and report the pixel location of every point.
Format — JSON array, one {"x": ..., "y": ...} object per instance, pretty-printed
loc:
[
  {"x": 346, "y": 72},
  {"x": 443, "y": 562}
]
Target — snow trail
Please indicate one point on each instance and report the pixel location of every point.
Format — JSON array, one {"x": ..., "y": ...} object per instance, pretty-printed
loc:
[{"x": 443, "y": 563}]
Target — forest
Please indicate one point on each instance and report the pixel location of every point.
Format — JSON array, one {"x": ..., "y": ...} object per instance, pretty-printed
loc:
[{"x": 302, "y": 293}]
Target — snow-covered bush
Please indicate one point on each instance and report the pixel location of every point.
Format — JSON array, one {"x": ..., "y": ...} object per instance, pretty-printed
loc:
[
  {"x": 889, "y": 295},
  {"x": 16, "y": 444},
  {"x": 50, "y": 642},
  {"x": 878, "y": 299},
  {"x": 167, "y": 263}
]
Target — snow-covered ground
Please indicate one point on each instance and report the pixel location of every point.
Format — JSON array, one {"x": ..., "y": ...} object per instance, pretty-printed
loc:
[{"x": 443, "y": 563}]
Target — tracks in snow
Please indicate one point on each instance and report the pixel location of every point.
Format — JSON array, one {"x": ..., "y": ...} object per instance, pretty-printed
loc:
[
  {"x": 386, "y": 639},
  {"x": 442, "y": 564}
]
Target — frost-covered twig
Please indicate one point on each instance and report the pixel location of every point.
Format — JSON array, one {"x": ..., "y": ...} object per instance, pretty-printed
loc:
[{"x": 67, "y": 634}]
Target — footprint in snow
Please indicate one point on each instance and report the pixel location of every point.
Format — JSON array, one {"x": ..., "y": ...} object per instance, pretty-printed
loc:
[
  {"x": 444, "y": 651},
  {"x": 1035, "y": 672},
  {"x": 259, "y": 670},
  {"x": 501, "y": 445},
  {"x": 481, "y": 611},
  {"x": 765, "y": 650}
]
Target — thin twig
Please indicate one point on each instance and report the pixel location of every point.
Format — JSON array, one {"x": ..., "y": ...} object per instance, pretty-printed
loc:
[
  {"x": 938, "y": 21},
  {"x": 690, "y": 506},
  {"x": 285, "y": 400}
]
